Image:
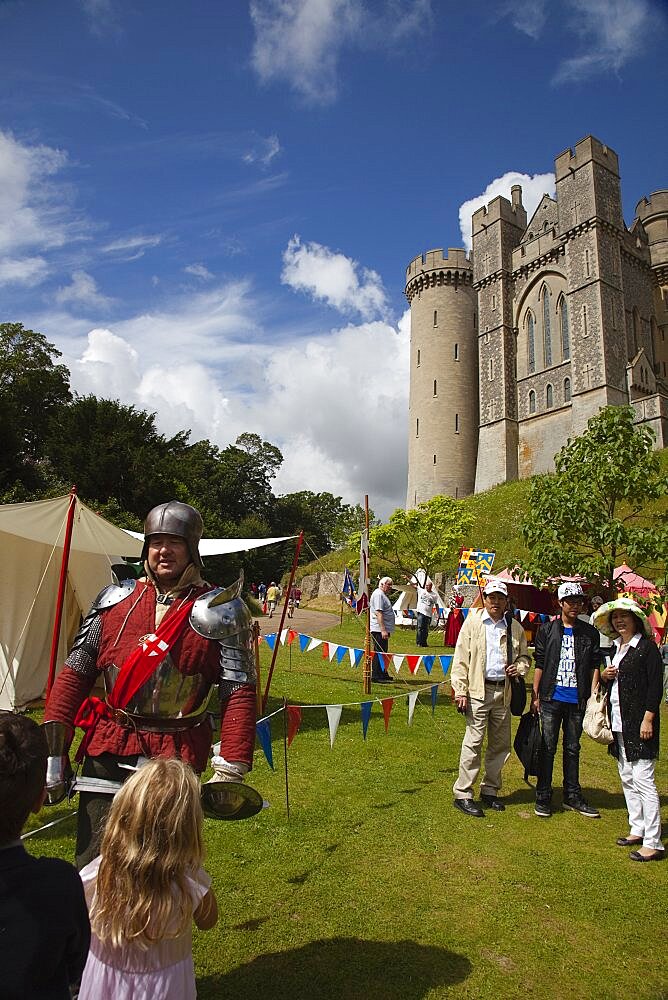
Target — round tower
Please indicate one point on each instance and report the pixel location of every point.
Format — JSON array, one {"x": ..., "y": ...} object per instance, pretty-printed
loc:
[
  {"x": 443, "y": 401},
  {"x": 653, "y": 213}
]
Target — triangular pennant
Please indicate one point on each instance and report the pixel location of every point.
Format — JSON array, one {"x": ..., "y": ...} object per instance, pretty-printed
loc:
[
  {"x": 464, "y": 612},
  {"x": 388, "y": 705},
  {"x": 445, "y": 662},
  {"x": 333, "y": 718},
  {"x": 365, "y": 708},
  {"x": 270, "y": 640},
  {"x": 532, "y": 616},
  {"x": 294, "y": 721},
  {"x": 428, "y": 663},
  {"x": 292, "y": 635},
  {"x": 264, "y": 736},
  {"x": 313, "y": 644},
  {"x": 333, "y": 649},
  {"x": 434, "y": 696},
  {"x": 412, "y": 698},
  {"x": 387, "y": 660},
  {"x": 397, "y": 660},
  {"x": 284, "y": 635},
  {"x": 359, "y": 653},
  {"x": 303, "y": 642},
  {"x": 325, "y": 650},
  {"x": 352, "y": 653},
  {"x": 340, "y": 653},
  {"x": 413, "y": 662}
]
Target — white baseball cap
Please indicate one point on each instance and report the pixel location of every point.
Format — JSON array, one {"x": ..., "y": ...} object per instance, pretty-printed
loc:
[
  {"x": 495, "y": 587},
  {"x": 569, "y": 590}
]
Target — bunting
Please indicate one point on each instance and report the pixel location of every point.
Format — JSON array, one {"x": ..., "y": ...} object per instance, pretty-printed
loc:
[
  {"x": 412, "y": 698},
  {"x": 365, "y": 709},
  {"x": 294, "y": 721},
  {"x": 264, "y": 736},
  {"x": 333, "y": 718},
  {"x": 388, "y": 705}
]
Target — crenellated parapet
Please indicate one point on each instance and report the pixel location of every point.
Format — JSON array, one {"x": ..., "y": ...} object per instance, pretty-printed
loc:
[
  {"x": 588, "y": 150},
  {"x": 436, "y": 268},
  {"x": 653, "y": 213}
]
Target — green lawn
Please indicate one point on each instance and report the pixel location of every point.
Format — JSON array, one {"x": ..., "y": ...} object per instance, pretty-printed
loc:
[{"x": 377, "y": 888}]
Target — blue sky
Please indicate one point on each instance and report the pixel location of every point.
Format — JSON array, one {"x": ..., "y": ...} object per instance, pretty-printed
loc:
[{"x": 208, "y": 205}]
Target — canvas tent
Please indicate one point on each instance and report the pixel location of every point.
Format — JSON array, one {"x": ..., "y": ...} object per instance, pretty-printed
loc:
[{"x": 31, "y": 548}]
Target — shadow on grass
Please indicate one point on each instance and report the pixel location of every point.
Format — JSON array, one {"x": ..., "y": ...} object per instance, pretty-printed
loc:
[{"x": 342, "y": 969}]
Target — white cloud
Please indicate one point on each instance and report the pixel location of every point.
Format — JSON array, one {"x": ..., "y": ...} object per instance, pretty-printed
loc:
[
  {"x": 23, "y": 271},
  {"x": 102, "y": 17},
  {"x": 32, "y": 211},
  {"x": 534, "y": 186},
  {"x": 83, "y": 290},
  {"x": 302, "y": 41},
  {"x": 528, "y": 16},
  {"x": 334, "y": 402},
  {"x": 199, "y": 271},
  {"x": 333, "y": 278},
  {"x": 261, "y": 150},
  {"x": 132, "y": 247},
  {"x": 612, "y": 32}
]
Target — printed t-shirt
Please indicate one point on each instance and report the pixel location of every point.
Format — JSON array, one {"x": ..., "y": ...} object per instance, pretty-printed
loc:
[{"x": 566, "y": 688}]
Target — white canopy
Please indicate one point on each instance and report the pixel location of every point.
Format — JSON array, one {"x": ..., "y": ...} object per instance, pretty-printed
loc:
[{"x": 31, "y": 548}]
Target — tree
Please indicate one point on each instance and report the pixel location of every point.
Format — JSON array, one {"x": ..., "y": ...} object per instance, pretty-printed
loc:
[
  {"x": 428, "y": 537},
  {"x": 593, "y": 512},
  {"x": 326, "y": 521},
  {"x": 33, "y": 390}
]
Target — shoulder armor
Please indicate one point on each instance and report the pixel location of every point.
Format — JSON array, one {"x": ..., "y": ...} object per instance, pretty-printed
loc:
[
  {"x": 113, "y": 594},
  {"x": 220, "y": 613}
]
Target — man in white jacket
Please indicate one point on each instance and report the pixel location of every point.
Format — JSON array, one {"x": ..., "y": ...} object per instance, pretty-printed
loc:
[{"x": 482, "y": 666}]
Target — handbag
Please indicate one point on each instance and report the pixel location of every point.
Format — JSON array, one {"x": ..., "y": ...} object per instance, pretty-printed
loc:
[
  {"x": 595, "y": 723},
  {"x": 527, "y": 744},
  {"x": 518, "y": 689}
]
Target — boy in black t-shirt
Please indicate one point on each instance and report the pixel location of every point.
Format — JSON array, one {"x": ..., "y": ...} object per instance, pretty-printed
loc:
[{"x": 44, "y": 928}]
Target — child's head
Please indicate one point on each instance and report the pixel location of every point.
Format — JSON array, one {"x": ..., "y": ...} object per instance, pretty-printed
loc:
[
  {"x": 23, "y": 754},
  {"x": 152, "y": 838}
]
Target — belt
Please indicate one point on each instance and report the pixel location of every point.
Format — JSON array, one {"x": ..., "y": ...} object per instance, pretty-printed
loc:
[
  {"x": 495, "y": 684},
  {"x": 154, "y": 723}
]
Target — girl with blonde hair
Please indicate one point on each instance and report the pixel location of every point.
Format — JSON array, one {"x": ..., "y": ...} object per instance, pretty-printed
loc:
[{"x": 146, "y": 888}]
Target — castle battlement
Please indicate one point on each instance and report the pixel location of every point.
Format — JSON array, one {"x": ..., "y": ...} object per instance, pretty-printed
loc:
[
  {"x": 587, "y": 150},
  {"x": 656, "y": 204},
  {"x": 454, "y": 259},
  {"x": 499, "y": 209}
]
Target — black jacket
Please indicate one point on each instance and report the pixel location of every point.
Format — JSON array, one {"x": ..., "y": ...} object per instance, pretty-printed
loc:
[
  {"x": 548, "y": 654},
  {"x": 640, "y": 681}
]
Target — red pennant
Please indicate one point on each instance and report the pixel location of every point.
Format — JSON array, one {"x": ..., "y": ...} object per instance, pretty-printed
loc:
[
  {"x": 388, "y": 705},
  {"x": 294, "y": 721},
  {"x": 532, "y": 616},
  {"x": 387, "y": 660},
  {"x": 412, "y": 662},
  {"x": 325, "y": 650},
  {"x": 292, "y": 635}
]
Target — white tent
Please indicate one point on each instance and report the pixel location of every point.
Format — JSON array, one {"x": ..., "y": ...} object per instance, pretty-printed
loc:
[{"x": 31, "y": 548}]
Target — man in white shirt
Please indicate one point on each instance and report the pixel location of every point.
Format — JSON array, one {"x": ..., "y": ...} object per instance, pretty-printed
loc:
[
  {"x": 481, "y": 672},
  {"x": 426, "y": 602},
  {"x": 382, "y": 626}
]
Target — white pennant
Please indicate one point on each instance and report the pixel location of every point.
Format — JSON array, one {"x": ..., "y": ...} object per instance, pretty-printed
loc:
[
  {"x": 333, "y": 650},
  {"x": 333, "y": 718},
  {"x": 412, "y": 698},
  {"x": 351, "y": 654},
  {"x": 397, "y": 661},
  {"x": 313, "y": 644},
  {"x": 284, "y": 635}
]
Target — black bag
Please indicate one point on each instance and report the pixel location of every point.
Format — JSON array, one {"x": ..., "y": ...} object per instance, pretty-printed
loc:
[
  {"x": 527, "y": 744},
  {"x": 518, "y": 689}
]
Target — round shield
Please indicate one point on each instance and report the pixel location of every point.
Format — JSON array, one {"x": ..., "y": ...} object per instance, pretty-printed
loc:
[{"x": 230, "y": 800}]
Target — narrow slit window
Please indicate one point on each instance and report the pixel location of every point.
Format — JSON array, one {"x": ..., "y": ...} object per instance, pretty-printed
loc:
[
  {"x": 456, "y": 423},
  {"x": 417, "y": 427},
  {"x": 567, "y": 390},
  {"x": 532, "y": 402},
  {"x": 491, "y": 369},
  {"x": 435, "y": 385},
  {"x": 456, "y": 352},
  {"x": 435, "y": 317},
  {"x": 549, "y": 396},
  {"x": 418, "y": 357}
]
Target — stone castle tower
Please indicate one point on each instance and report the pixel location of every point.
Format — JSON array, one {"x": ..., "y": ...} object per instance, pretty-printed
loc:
[{"x": 570, "y": 314}]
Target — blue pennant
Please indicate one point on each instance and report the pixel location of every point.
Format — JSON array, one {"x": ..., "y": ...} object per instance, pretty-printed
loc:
[
  {"x": 341, "y": 652},
  {"x": 366, "y": 715},
  {"x": 428, "y": 663},
  {"x": 359, "y": 653},
  {"x": 263, "y": 731},
  {"x": 271, "y": 639},
  {"x": 464, "y": 611},
  {"x": 303, "y": 641},
  {"x": 445, "y": 663},
  {"x": 434, "y": 696}
]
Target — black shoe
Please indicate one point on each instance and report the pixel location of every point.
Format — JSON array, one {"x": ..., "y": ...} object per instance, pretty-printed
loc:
[
  {"x": 582, "y": 807},
  {"x": 492, "y": 802},
  {"x": 543, "y": 809},
  {"x": 382, "y": 680},
  {"x": 469, "y": 807},
  {"x": 656, "y": 856}
]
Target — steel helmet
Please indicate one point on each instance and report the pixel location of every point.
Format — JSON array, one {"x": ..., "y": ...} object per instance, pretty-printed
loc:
[{"x": 175, "y": 518}]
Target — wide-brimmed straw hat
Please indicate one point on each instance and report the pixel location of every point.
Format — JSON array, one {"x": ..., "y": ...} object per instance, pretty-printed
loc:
[{"x": 602, "y": 619}]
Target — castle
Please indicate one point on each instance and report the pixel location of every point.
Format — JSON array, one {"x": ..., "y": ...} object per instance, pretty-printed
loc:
[{"x": 515, "y": 346}]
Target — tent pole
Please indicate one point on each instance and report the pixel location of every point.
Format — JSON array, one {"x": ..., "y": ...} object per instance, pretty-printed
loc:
[
  {"x": 283, "y": 613},
  {"x": 366, "y": 673},
  {"x": 60, "y": 599}
]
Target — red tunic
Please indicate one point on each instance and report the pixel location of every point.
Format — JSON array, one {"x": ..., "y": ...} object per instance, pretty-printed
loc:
[{"x": 123, "y": 625}]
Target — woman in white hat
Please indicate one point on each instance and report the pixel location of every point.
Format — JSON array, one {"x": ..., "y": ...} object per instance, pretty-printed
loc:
[{"x": 634, "y": 681}]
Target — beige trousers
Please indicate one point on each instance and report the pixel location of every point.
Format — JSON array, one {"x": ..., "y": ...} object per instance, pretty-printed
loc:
[{"x": 489, "y": 715}]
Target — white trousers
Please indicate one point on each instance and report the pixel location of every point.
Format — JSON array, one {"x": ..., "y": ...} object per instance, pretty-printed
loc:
[
  {"x": 642, "y": 798},
  {"x": 490, "y": 716}
]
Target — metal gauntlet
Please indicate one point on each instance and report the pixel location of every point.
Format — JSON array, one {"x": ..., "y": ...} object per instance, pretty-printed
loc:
[{"x": 58, "y": 767}]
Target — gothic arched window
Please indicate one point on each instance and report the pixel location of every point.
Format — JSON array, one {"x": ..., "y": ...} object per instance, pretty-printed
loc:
[
  {"x": 531, "y": 344},
  {"x": 565, "y": 332},
  {"x": 547, "y": 332},
  {"x": 532, "y": 402},
  {"x": 567, "y": 390},
  {"x": 549, "y": 396}
]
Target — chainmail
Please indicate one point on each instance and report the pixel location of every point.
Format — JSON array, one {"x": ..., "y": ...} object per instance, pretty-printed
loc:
[{"x": 83, "y": 655}]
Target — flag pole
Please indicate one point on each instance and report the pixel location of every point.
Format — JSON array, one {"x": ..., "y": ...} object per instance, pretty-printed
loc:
[
  {"x": 367, "y": 638},
  {"x": 274, "y": 652},
  {"x": 60, "y": 599}
]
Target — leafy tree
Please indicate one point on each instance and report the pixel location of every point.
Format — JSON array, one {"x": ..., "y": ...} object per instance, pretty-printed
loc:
[
  {"x": 592, "y": 512},
  {"x": 33, "y": 389},
  {"x": 428, "y": 537}
]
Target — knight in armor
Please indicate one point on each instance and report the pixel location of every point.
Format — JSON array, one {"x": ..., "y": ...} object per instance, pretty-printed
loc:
[{"x": 160, "y": 646}]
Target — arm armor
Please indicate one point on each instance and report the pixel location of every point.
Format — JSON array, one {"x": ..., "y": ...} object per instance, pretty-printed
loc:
[{"x": 221, "y": 615}]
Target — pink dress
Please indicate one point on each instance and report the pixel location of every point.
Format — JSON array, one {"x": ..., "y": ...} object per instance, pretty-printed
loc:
[{"x": 164, "y": 972}]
